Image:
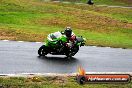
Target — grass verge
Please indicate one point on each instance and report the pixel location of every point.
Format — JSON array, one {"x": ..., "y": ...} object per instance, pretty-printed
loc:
[{"x": 53, "y": 82}]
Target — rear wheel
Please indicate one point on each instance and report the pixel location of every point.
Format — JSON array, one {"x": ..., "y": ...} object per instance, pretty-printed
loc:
[{"x": 42, "y": 50}]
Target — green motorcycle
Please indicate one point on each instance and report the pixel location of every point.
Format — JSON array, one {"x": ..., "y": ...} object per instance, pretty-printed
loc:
[{"x": 60, "y": 46}]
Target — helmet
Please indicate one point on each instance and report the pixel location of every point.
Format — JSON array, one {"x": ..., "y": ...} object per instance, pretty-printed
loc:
[{"x": 68, "y": 31}]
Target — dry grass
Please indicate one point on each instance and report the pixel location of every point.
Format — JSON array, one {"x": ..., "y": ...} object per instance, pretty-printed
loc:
[
  {"x": 21, "y": 35},
  {"x": 81, "y": 17},
  {"x": 86, "y": 22}
]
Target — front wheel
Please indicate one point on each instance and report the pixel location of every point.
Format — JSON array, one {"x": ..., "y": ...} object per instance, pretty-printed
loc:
[
  {"x": 42, "y": 50},
  {"x": 69, "y": 54},
  {"x": 75, "y": 50},
  {"x": 72, "y": 52}
]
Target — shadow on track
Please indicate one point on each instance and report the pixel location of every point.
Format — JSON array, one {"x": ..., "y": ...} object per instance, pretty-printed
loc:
[
  {"x": 59, "y": 60},
  {"x": 59, "y": 64}
]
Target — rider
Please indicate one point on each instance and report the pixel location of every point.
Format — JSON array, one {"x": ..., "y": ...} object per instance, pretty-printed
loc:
[
  {"x": 69, "y": 34},
  {"x": 66, "y": 33}
]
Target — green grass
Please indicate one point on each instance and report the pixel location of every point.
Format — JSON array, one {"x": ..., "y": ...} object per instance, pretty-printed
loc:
[
  {"x": 53, "y": 82},
  {"x": 101, "y": 26}
]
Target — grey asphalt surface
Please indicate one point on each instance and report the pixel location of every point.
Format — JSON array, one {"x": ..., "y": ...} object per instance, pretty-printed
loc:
[
  {"x": 22, "y": 57},
  {"x": 111, "y": 6}
]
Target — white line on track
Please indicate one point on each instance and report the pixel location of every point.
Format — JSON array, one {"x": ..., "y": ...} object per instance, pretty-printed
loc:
[
  {"x": 38, "y": 42},
  {"x": 94, "y": 46},
  {"x": 44, "y": 43},
  {"x": 107, "y": 47},
  {"x": 5, "y": 40},
  {"x": 20, "y": 41},
  {"x": 59, "y": 74}
]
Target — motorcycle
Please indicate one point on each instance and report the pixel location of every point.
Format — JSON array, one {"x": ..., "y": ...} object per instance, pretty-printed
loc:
[{"x": 62, "y": 47}]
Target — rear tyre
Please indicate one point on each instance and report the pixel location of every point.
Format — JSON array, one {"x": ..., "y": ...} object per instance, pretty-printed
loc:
[{"x": 42, "y": 50}]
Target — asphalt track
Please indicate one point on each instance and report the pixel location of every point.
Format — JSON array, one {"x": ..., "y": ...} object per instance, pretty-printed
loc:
[
  {"x": 22, "y": 57},
  {"x": 111, "y": 6}
]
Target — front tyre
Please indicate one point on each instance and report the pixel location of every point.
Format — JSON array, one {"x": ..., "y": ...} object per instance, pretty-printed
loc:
[
  {"x": 72, "y": 52},
  {"x": 75, "y": 50},
  {"x": 69, "y": 54},
  {"x": 42, "y": 50}
]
